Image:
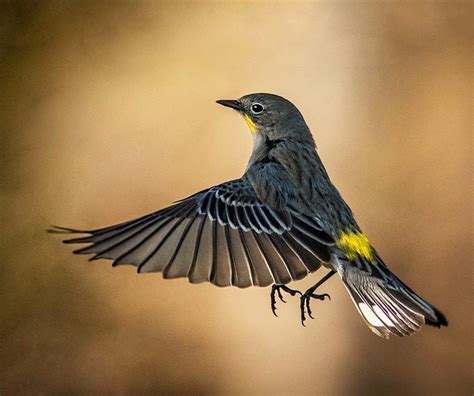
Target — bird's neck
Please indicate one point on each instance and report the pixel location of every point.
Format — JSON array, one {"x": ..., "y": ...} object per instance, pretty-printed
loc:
[
  {"x": 297, "y": 156},
  {"x": 264, "y": 149}
]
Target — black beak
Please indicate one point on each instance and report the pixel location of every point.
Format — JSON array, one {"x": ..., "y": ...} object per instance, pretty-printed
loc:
[{"x": 233, "y": 104}]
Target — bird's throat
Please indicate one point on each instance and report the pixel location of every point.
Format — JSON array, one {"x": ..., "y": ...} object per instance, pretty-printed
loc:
[{"x": 250, "y": 123}]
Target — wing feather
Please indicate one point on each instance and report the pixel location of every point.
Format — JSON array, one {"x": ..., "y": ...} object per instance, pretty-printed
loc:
[
  {"x": 202, "y": 266},
  {"x": 179, "y": 263},
  {"x": 291, "y": 259},
  {"x": 242, "y": 275},
  {"x": 261, "y": 274},
  {"x": 276, "y": 263},
  {"x": 160, "y": 255},
  {"x": 222, "y": 267},
  {"x": 224, "y": 235}
]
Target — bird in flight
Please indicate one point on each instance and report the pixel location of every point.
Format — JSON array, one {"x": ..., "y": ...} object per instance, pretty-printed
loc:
[{"x": 282, "y": 220}]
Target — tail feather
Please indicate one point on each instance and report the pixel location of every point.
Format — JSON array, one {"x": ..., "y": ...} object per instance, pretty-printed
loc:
[{"x": 386, "y": 304}]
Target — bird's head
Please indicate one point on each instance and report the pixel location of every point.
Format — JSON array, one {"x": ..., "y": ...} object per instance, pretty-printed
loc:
[{"x": 269, "y": 115}]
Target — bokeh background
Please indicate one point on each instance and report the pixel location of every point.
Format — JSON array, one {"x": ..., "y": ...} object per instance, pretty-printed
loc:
[{"x": 107, "y": 112}]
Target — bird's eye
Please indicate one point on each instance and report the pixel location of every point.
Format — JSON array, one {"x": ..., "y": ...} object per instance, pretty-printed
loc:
[{"x": 256, "y": 108}]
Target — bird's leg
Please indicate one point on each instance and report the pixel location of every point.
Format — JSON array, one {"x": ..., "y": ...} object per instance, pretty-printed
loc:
[
  {"x": 309, "y": 294},
  {"x": 276, "y": 289}
]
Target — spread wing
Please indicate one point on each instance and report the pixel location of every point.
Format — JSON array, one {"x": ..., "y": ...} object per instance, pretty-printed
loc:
[{"x": 223, "y": 235}]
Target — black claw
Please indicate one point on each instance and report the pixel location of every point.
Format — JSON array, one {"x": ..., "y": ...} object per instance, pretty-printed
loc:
[
  {"x": 305, "y": 299},
  {"x": 273, "y": 301},
  {"x": 320, "y": 296},
  {"x": 277, "y": 289},
  {"x": 280, "y": 295},
  {"x": 302, "y": 308},
  {"x": 305, "y": 304},
  {"x": 308, "y": 308}
]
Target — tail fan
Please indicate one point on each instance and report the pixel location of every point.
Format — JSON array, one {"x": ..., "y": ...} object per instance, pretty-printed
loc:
[{"x": 387, "y": 305}]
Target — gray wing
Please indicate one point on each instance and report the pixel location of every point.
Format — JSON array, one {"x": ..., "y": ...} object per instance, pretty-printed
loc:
[{"x": 223, "y": 235}]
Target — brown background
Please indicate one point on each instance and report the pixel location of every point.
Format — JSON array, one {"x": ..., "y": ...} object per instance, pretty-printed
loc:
[{"x": 107, "y": 112}]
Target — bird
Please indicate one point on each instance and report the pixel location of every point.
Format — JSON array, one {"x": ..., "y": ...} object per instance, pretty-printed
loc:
[{"x": 281, "y": 221}]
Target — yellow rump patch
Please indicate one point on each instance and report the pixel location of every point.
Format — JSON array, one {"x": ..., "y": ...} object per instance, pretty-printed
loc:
[
  {"x": 356, "y": 244},
  {"x": 250, "y": 123}
]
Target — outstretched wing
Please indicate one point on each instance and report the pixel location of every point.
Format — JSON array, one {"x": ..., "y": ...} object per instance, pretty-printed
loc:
[{"x": 223, "y": 235}]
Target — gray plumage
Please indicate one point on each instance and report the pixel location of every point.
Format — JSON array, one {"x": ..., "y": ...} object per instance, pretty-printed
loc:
[{"x": 280, "y": 221}]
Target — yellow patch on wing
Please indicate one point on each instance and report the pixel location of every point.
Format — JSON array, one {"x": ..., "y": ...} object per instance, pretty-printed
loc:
[
  {"x": 356, "y": 244},
  {"x": 250, "y": 123}
]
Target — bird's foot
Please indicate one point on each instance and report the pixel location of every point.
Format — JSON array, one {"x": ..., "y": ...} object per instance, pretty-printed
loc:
[
  {"x": 276, "y": 290},
  {"x": 305, "y": 303}
]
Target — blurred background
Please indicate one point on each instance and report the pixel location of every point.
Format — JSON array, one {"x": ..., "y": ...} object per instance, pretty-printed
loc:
[{"x": 107, "y": 112}]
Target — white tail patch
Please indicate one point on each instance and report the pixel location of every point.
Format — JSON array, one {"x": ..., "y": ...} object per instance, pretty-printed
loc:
[
  {"x": 386, "y": 304},
  {"x": 381, "y": 314},
  {"x": 369, "y": 315}
]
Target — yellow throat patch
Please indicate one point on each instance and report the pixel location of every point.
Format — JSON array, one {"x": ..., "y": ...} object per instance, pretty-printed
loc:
[
  {"x": 250, "y": 123},
  {"x": 356, "y": 244}
]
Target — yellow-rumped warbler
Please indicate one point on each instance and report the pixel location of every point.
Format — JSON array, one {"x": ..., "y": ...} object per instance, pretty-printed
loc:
[{"x": 280, "y": 221}]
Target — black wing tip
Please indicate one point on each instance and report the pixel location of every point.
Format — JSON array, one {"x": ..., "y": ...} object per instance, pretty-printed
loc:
[
  {"x": 441, "y": 320},
  {"x": 55, "y": 229}
]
